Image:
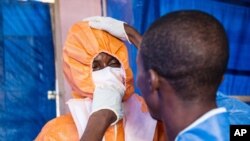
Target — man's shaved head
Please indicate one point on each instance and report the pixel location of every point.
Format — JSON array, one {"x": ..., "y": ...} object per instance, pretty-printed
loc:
[{"x": 187, "y": 48}]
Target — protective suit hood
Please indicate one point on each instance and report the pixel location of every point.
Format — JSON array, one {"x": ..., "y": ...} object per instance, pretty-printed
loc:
[{"x": 82, "y": 45}]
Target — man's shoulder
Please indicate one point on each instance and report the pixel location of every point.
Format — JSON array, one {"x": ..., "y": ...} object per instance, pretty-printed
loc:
[
  {"x": 239, "y": 112},
  {"x": 207, "y": 127}
]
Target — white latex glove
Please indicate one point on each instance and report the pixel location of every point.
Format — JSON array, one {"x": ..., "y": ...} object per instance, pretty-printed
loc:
[
  {"x": 109, "y": 91},
  {"x": 113, "y": 26}
]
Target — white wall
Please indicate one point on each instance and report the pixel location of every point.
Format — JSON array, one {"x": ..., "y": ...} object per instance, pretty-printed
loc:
[{"x": 67, "y": 12}]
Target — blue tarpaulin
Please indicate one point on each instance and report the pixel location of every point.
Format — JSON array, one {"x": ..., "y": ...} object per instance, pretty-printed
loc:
[
  {"x": 234, "y": 15},
  {"x": 27, "y": 69}
]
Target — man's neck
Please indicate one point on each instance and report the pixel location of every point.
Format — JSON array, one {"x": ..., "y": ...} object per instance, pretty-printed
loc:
[{"x": 179, "y": 115}]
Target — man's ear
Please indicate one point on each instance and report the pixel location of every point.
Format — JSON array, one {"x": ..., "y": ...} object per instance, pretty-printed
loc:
[{"x": 154, "y": 79}]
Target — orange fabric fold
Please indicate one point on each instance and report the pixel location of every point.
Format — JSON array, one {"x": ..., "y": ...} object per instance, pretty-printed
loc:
[
  {"x": 110, "y": 133},
  {"x": 62, "y": 128}
]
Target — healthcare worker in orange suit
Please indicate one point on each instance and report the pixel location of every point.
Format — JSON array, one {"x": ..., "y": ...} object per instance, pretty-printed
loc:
[{"x": 97, "y": 68}]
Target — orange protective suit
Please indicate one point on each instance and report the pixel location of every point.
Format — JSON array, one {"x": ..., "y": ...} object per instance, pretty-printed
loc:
[{"x": 82, "y": 45}]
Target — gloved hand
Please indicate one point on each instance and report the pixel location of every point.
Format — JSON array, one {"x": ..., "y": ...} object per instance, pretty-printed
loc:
[
  {"x": 109, "y": 90},
  {"x": 113, "y": 26}
]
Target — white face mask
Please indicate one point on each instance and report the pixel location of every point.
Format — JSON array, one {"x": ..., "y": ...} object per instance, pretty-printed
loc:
[{"x": 109, "y": 76}]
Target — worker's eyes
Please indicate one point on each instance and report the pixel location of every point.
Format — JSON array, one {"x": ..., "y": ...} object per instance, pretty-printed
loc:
[
  {"x": 114, "y": 63},
  {"x": 98, "y": 65}
]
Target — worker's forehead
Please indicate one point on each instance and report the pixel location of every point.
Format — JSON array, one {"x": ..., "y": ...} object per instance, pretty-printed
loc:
[{"x": 102, "y": 55}]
